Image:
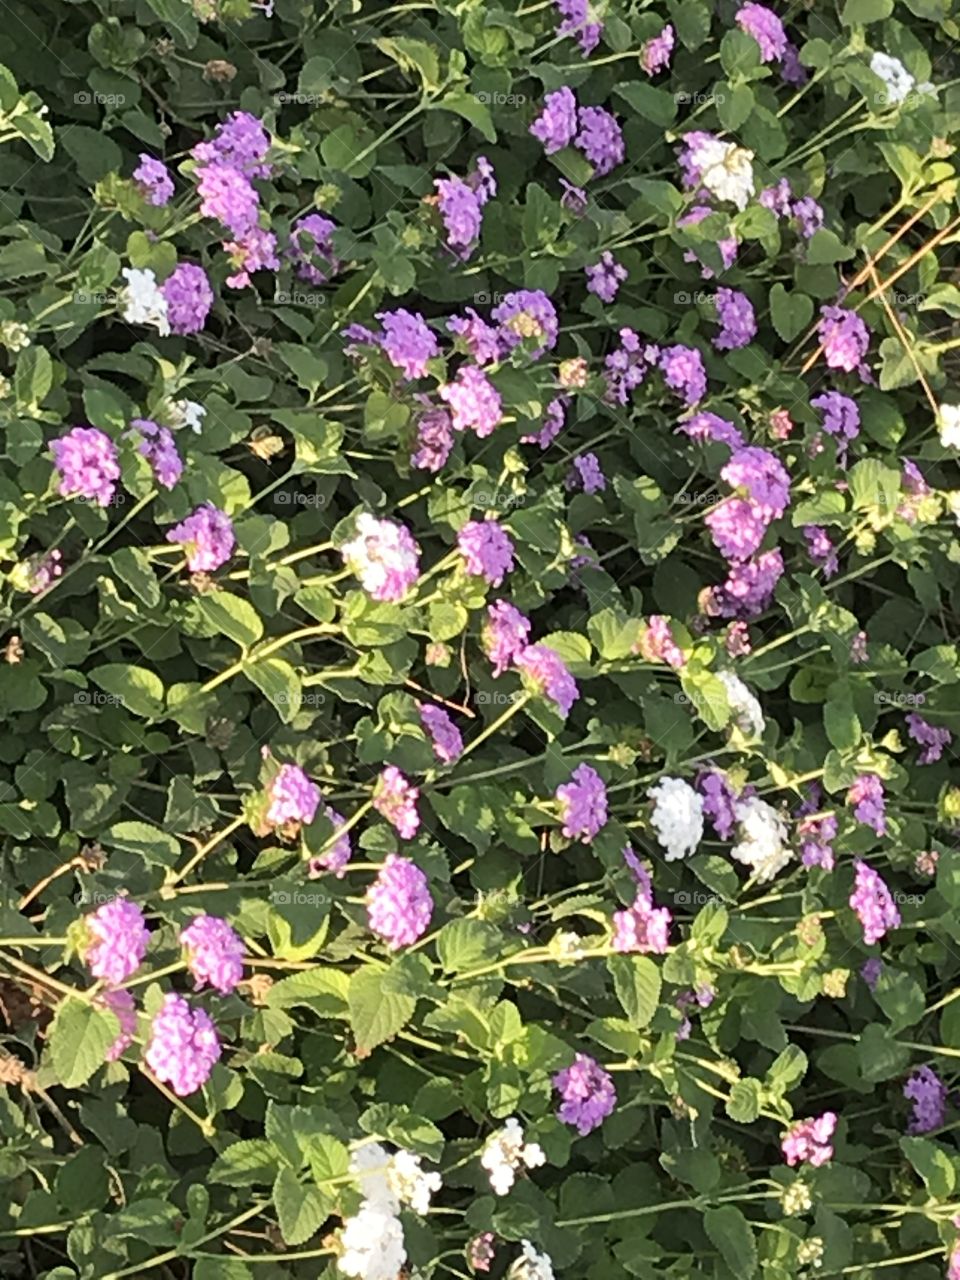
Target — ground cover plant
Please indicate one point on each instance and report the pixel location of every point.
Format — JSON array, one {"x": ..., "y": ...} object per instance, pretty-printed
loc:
[{"x": 479, "y": 588}]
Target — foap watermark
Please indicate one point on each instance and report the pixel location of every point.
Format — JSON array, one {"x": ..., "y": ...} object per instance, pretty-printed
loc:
[
  {"x": 299, "y": 298},
  {"x": 705, "y": 499},
  {"x": 297, "y": 99},
  {"x": 493, "y": 698},
  {"x": 694, "y": 898},
  {"x": 684, "y": 97},
  {"x": 908, "y": 899},
  {"x": 500, "y": 499},
  {"x": 308, "y": 698},
  {"x": 299, "y": 898},
  {"x": 91, "y": 97},
  {"x": 97, "y": 698},
  {"x": 894, "y": 698},
  {"x": 302, "y": 499},
  {"x": 501, "y": 99},
  {"x": 91, "y": 298},
  {"x": 98, "y": 897},
  {"x": 684, "y": 299},
  {"x": 489, "y": 299}
]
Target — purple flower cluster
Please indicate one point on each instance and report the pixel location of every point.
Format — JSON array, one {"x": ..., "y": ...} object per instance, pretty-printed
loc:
[
  {"x": 873, "y": 903},
  {"x": 928, "y": 1093},
  {"x": 627, "y": 365},
  {"x": 932, "y": 739},
  {"x": 554, "y": 417},
  {"x": 189, "y": 298},
  {"x": 845, "y": 340},
  {"x": 254, "y": 251},
  {"x": 474, "y": 401},
  {"x": 399, "y": 905},
  {"x": 505, "y": 635},
  {"x": 184, "y": 1046},
  {"x": 766, "y": 28},
  {"x": 587, "y": 1094},
  {"x": 293, "y": 797},
  {"x": 239, "y": 141},
  {"x": 118, "y": 937},
  {"x": 747, "y": 589},
  {"x": 311, "y": 250},
  {"x": 207, "y": 538},
  {"x": 43, "y": 570},
  {"x": 214, "y": 953},
  {"x": 121, "y": 1004},
  {"x": 434, "y": 440},
  {"x": 86, "y": 461},
  {"x": 583, "y": 804},
  {"x": 809, "y": 1141},
  {"x": 738, "y": 323},
  {"x": 525, "y": 315},
  {"x": 605, "y": 277},
  {"x": 337, "y": 856},
  {"x": 157, "y": 446},
  {"x": 461, "y": 206},
  {"x": 547, "y": 673},
  {"x": 738, "y": 524},
  {"x": 396, "y": 800},
  {"x": 556, "y": 125},
  {"x": 407, "y": 341},
  {"x": 728, "y": 245},
  {"x": 719, "y": 801},
  {"x": 587, "y": 474},
  {"x": 821, "y": 549},
  {"x": 600, "y": 139},
  {"x": 229, "y": 196},
  {"x": 816, "y": 831},
  {"x": 577, "y": 21},
  {"x": 711, "y": 428},
  {"x": 480, "y": 339},
  {"x": 657, "y": 644},
  {"x": 841, "y": 418},
  {"x": 683, "y": 372},
  {"x": 384, "y": 556},
  {"x": 866, "y": 795},
  {"x": 487, "y": 550},
  {"x": 641, "y": 927},
  {"x": 153, "y": 178},
  {"x": 657, "y": 51},
  {"x": 444, "y": 734}
]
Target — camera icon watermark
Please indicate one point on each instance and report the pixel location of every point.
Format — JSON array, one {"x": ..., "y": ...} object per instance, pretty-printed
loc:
[
  {"x": 684, "y": 299},
  {"x": 495, "y": 699},
  {"x": 501, "y": 99},
  {"x": 299, "y": 898},
  {"x": 488, "y": 299},
  {"x": 90, "y": 298},
  {"x": 90, "y": 97},
  {"x": 684, "y": 98},
  {"x": 301, "y": 499},
  {"x": 695, "y": 898},
  {"x": 97, "y": 698},
  {"x": 299, "y": 298},
  {"x": 895, "y": 698}
]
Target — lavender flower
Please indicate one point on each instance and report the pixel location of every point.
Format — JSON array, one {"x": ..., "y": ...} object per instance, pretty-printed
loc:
[
  {"x": 766, "y": 28},
  {"x": 737, "y": 319},
  {"x": 710, "y": 427},
  {"x": 928, "y": 736},
  {"x": 748, "y": 588},
  {"x": 928, "y": 1094},
  {"x": 117, "y": 940},
  {"x": 657, "y": 644},
  {"x": 778, "y": 198},
  {"x": 576, "y": 16},
  {"x": 396, "y": 800},
  {"x": 157, "y": 446},
  {"x": 583, "y": 804},
  {"x": 866, "y": 795},
  {"x": 574, "y": 199},
  {"x": 683, "y": 372},
  {"x": 728, "y": 245},
  {"x": 254, "y": 251},
  {"x": 841, "y": 418},
  {"x": 184, "y": 1046},
  {"x": 871, "y": 970},
  {"x": 809, "y": 1140},
  {"x": 481, "y": 340},
  {"x": 626, "y": 367},
  {"x": 719, "y": 801},
  {"x": 384, "y": 556},
  {"x": 399, "y": 905},
  {"x": 587, "y": 1094},
  {"x": 407, "y": 341},
  {"x": 809, "y": 216},
  {"x": 641, "y": 928},
  {"x": 207, "y": 538},
  {"x": 444, "y": 734},
  {"x": 487, "y": 550},
  {"x": 820, "y": 549},
  {"x": 588, "y": 472},
  {"x": 791, "y": 68},
  {"x": 293, "y": 797},
  {"x": 214, "y": 953},
  {"x": 505, "y": 635},
  {"x": 845, "y": 339},
  {"x": 605, "y": 277},
  {"x": 434, "y": 440},
  {"x": 547, "y": 673},
  {"x": 461, "y": 208},
  {"x": 872, "y": 902},
  {"x": 527, "y": 314},
  {"x": 474, "y": 401},
  {"x": 189, "y": 298},
  {"x": 41, "y": 571},
  {"x": 738, "y": 525},
  {"x": 656, "y": 53},
  {"x": 600, "y": 139},
  {"x": 86, "y": 460},
  {"x": 229, "y": 196},
  {"x": 553, "y": 419},
  {"x": 121, "y": 1004},
  {"x": 556, "y": 125},
  {"x": 311, "y": 249},
  {"x": 153, "y": 178},
  {"x": 239, "y": 141}
]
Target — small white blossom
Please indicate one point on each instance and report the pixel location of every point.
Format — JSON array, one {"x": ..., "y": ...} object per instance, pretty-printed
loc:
[
  {"x": 410, "y": 1183},
  {"x": 762, "y": 845},
  {"x": 387, "y": 1181},
  {"x": 143, "y": 303},
  {"x": 948, "y": 422},
  {"x": 14, "y": 335},
  {"x": 531, "y": 1265},
  {"x": 566, "y": 945},
  {"x": 726, "y": 170},
  {"x": 746, "y": 709},
  {"x": 187, "y": 413},
  {"x": 505, "y": 1151},
  {"x": 372, "y": 1243},
  {"x": 677, "y": 816},
  {"x": 894, "y": 75}
]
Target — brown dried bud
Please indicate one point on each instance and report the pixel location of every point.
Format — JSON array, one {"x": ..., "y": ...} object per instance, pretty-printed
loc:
[
  {"x": 219, "y": 71},
  {"x": 13, "y": 653}
]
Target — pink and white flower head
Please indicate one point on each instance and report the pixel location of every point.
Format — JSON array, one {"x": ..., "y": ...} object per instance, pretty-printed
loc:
[
  {"x": 504, "y": 635},
  {"x": 384, "y": 556},
  {"x": 808, "y": 1141},
  {"x": 207, "y": 538},
  {"x": 396, "y": 800},
  {"x": 546, "y": 673},
  {"x": 118, "y": 938},
  {"x": 399, "y": 905},
  {"x": 293, "y": 797},
  {"x": 487, "y": 550},
  {"x": 184, "y": 1046},
  {"x": 214, "y": 953}
]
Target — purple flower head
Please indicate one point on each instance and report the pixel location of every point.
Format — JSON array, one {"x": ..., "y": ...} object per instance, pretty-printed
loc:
[
  {"x": 548, "y": 675},
  {"x": 396, "y": 800},
  {"x": 738, "y": 524},
  {"x": 86, "y": 461},
  {"x": 656, "y": 53},
  {"x": 556, "y": 125},
  {"x": 766, "y": 28},
  {"x": 577, "y": 15},
  {"x": 293, "y": 797},
  {"x": 121, "y": 1004},
  {"x": 583, "y": 804},
  {"x": 157, "y": 446},
  {"x": 43, "y": 570},
  {"x": 184, "y": 1046},
  {"x": 872, "y": 902},
  {"x": 871, "y": 970},
  {"x": 748, "y": 588},
  {"x": 791, "y": 68},
  {"x": 841, "y": 418},
  {"x": 816, "y": 831},
  {"x": 737, "y": 641},
  {"x": 605, "y": 277},
  {"x": 845, "y": 339},
  {"x": 626, "y": 366},
  {"x": 214, "y": 953},
  {"x": 809, "y": 1141},
  {"x": 553, "y": 419},
  {"x": 239, "y": 141},
  {"x": 683, "y": 372},
  {"x": 737, "y": 320},
  {"x": 461, "y": 208},
  {"x": 642, "y": 928},
  {"x": 505, "y": 635},
  {"x": 254, "y": 251},
  {"x": 728, "y": 246},
  {"x": 928, "y": 1093},
  {"x": 587, "y": 1094},
  {"x": 118, "y": 937},
  {"x": 338, "y": 855},
  {"x": 600, "y": 139},
  {"x": 866, "y": 795},
  {"x": 229, "y": 196},
  {"x": 574, "y": 199},
  {"x": 407, "y": 341},
  {"x": 444, "y": 735},
  {"x": 588, "y": 474},
  {"x": 483, "y": 180},
  {"x": 189, "y": 298},
  {"x": 207, "y": 538},
  {"x": 657, "y": 644},
  {"x": 399, "y": 905},
  {"x": 153, "y": 178},
  {"x": 474, "y": 401},
  {"x": 384, "y": 556},
  {"x": 928, "y": 736},
  {"x": 809, "y": 216},
  {"x": 690, "y": 157},
  {"x": 778, "y": 198},
  {"x": 487, "y": 550},
  {"x": 710, "y": 427},
  {"x": 481, "y": 340},
  {"x": 434, "y": 440},
  {"x": 820, "y": 549},
  {"x": 481, "y": 1251},
  {"x": 311, "y": 249},
  {"x": 527, "y": 314},
  {"x": 719, "y": 801}
]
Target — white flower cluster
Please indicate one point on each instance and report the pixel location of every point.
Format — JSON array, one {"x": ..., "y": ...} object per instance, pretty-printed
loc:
[
  {"x": 900, "y": 83},
  {"x": 187, "y": 413},
  {"x": 746, "y": 709},
  {"x": 505, "y": 1151},
  {"x": 677, "y": 816},
  {"x": 762, "y": 845},
  {"x": 379, "y": 553},
  {"x": 372, "y": 1240},
  {"x": 948, "y": 421},
  {"x": 531, "y": 1265},
  {"x": 143, "y": 302},
  {"x": 725, "y": 169}
]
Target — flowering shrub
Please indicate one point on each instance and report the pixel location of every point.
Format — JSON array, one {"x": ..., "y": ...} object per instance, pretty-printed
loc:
[{"x": 479, "y": 574}]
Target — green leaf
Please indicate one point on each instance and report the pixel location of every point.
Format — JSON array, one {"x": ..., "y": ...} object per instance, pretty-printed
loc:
[
  {"x": 841, "y": 723},
  {"x": 249, "y": 1163},
  {"x": 730, "y": 1232},
  {"x": 745, "y": 1101},
  {"x": 414, "y": 55},
  {"x": 656, "y": 105},
  {"x": 80, "y": 1036},
  {"x": 156, "y": 847},
  {"x": 324, "y": 991},
  {"x": 376, "y": 1015},
  {"x": 300, "y": 1209},
  {"x": 279, "y": 681},
  {"x": 933, "y": 1165},
  {"x": 791, "y": 313},
  {"x": 134, "y": 688},
  {"x": 33, "y": 378},
  {"x": 232, "y": 615},
  {"x": 467, "y": 944},
  {"x": 863, "y": 11},
  {"x": 470, "y": 108},
  {"x": 636, "y": 980}
]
